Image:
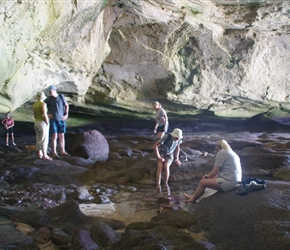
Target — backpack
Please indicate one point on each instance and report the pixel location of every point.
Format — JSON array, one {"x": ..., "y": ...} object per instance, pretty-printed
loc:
[
  {"x": 63, "y": 101},
  {"x": 249, "y": 185},
  {"x": 165, "y": 143}
]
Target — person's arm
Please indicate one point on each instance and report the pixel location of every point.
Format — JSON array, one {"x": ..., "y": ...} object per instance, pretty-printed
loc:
[
  {"x": 156, "y": 150},
  {"x": 155, "y": 128},
  {"x": 65, "y": 116},
  {"x": 212, "y": 173},
  {"x": 44, "y": 113},
  {"x": 4, "y": 122},
  {"x": 166, "y": 118},
  {"x": 176, "y": 155}
]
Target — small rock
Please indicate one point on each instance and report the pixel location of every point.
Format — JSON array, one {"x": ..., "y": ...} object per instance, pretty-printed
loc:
[
  {"x": 42, "y": 236},
  {"x": 82, "y": 239},
  {"x": 59, "y": 237}
]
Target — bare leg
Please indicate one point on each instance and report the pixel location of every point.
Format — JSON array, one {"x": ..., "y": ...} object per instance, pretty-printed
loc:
[
  {"x": 40, "y": 154},
  {"x": 159, "y": 173},
  {"x": 7, "y": 139},
  {"x": 160, "y": 134},
  {"x": 159, "y": 189},
  {"x": 167, "y": 189},
  {"x": 198, "y": 193},
  {"x": 44, "y": 153},
  {"x": 166, "y": 172},
  {"x": 62, "y": 144},
  {"x": 203, "y": 184},
  {"x": 54, "y": 142},
  {"x": 12, "y": 138}
]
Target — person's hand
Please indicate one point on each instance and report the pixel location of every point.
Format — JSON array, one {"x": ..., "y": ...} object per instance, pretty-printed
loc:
[
  {"x": 161, "y": 159},
  {"x": 177, "y": 162},
  {"x": 65, "y": 117},
  {"x": 154, "y": 131}
]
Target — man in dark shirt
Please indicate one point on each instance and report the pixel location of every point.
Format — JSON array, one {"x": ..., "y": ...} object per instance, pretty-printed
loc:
[{"x": 58, "y": 113}]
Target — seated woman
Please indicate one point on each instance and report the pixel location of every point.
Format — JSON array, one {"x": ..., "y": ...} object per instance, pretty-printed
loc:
[{"x": 225, "y": 175}]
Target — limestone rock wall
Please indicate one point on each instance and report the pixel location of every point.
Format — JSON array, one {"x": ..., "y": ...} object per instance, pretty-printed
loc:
[{"x": 229, "y": 57}]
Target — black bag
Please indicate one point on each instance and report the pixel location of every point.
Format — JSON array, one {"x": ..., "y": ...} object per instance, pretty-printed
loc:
[
  {"x": 249, "y": 185},
  {"x": 63, "y": 102},
  {"x": 162, "y": 147}
]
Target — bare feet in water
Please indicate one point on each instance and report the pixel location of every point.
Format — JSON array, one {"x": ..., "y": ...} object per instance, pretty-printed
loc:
[
  {"x": 189, "y": 199},
  {"x": 159, "y": 189}
]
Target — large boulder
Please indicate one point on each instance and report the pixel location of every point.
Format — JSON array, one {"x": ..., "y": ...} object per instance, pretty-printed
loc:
[
  {"x": 103, "y": 234},
  {"x": 258, "y": 220},
  {"x": 89, "y": 145},
  {"x": 11, "y": 238},
  {"x": 226, "y": 57},
  {"x": 67, "y": 217}
]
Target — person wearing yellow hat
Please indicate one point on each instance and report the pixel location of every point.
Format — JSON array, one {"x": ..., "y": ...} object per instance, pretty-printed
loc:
[{"x": 167, "y": 150}]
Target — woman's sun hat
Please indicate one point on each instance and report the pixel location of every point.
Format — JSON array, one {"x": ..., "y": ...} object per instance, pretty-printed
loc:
[
  {"x": 177, "y": 133},
  {"x": 40, "y": 96}
]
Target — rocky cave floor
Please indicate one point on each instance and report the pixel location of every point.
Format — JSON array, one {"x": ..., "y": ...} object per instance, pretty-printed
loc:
[{"x": 74, "y": 203}]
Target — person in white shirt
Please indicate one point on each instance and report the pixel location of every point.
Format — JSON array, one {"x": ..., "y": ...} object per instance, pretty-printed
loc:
[
  {"x": 225, "y": 175},
  {"x": 161, "y": 126}
]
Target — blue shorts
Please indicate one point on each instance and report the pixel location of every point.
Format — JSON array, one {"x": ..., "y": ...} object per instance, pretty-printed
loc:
[{"x": 57, "y": 127}]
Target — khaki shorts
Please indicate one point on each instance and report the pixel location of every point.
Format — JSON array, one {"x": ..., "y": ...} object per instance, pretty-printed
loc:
[
  {"x": 226, "y": 185},
  {"x": 168, "y": 158}
]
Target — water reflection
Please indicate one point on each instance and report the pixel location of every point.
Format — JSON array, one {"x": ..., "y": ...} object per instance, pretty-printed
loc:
[
  {"x": 145, "y": 202},
  {"x": 164, "y": 190}
]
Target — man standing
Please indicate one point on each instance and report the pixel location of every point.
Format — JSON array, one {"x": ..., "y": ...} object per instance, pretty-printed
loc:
[{"x": 57, "y": 112}]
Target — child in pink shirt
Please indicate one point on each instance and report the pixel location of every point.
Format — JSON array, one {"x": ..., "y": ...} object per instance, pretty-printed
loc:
[{"x": 8, "y": 124}]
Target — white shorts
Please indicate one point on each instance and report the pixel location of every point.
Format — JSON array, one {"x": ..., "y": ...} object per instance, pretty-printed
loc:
[{"x": 226, "y": 185}]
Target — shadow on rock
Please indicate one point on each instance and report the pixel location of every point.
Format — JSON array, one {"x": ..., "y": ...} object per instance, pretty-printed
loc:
[{"x": 258, "y": 220}]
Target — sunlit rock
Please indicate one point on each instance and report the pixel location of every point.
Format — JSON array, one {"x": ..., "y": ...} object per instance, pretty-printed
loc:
[
  {"x": 228, "y": 57},
  {"x": 90, "y": 145}
]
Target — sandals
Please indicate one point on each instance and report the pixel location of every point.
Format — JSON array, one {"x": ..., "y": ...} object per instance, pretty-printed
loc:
[
  {"x": 65, "y": 154},
  {"x": 47, "y": 158},
  {"x": 40, "y": 157},
  {"x": 55, "y": 156}
]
